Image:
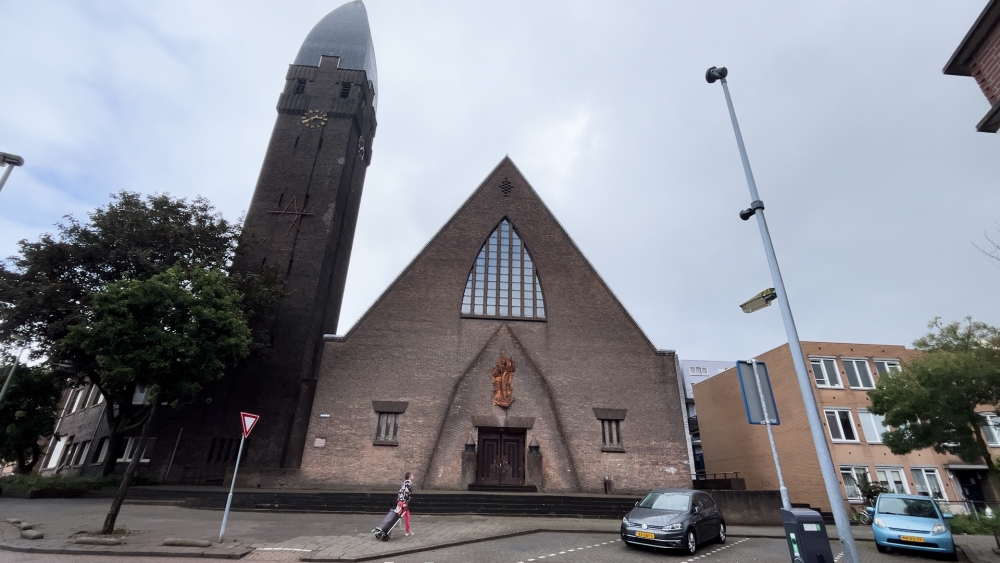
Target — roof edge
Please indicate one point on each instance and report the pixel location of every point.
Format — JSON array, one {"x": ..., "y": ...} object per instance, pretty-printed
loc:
[{"x": 958, "y": 64}]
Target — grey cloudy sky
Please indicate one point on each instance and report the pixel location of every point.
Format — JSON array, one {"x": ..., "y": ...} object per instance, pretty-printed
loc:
[{"x": 875, "y": 180}]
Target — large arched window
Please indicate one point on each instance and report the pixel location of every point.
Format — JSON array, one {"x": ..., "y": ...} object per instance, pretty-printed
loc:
[{"x": 504, "y": 282}]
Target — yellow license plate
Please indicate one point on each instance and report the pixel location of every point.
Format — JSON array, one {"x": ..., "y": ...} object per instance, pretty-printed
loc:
[
  {"x": 647, "y": 535},
  {"x": 912, "y": 538}
]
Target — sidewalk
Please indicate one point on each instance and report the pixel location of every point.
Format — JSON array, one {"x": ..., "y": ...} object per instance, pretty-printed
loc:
[{"x": 270, "y": 536}]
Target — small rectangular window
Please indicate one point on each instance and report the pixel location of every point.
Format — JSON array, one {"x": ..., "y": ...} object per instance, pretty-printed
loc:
[
  {"x": 854, "y": 476},
  {"x": 892, "y": 479},
  {"x": 858, "y": 374},
  {"x": 387, "y": 429},
  {"x": 611, "y": 435},
  {"x": 841, "y": 425},
  {"x": 991, "y": 428},
  {"x": 78, "y": 399},
  {"x": 928, "y": 482},
  {"x": 300, "y": 86},
  {"x": 345, "y": 89},
  {"x": 81, "y": 453},
  {"x": 873, "y": 426},
  {"x": 141, "y": 395},
  {"x": 825, "y": 372},
  {"x": 885, "y": 366},
  {"x": 101, "y": 452}
]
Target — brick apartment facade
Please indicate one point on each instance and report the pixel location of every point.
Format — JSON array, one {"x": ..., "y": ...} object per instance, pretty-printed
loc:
[
  {"x": 841, "y": 375},
  {"x": 978, "y": 56},
  {"x": 594, "y": 400}
]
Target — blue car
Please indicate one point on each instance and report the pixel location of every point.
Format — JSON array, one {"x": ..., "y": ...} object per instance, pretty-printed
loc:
[{"x": 911, "y": 522}]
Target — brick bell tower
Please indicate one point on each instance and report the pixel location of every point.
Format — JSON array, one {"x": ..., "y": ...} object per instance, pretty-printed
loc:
[{"x": 301, "y": 222}]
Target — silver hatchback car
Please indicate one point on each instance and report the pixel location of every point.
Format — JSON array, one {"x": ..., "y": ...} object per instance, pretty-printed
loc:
[{"x": 674, "y": 518}]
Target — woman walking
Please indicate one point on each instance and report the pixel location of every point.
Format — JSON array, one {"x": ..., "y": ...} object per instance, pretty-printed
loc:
[{"x": 403, "y": 501}]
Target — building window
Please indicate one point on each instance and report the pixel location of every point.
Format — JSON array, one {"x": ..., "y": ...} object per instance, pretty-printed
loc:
[
  {"x": 300, "y": 86},
  {"x": 68, "y": 453},
  {"x": 130, "y": 446},
  {"x": 825, "y": 372},
  {"x": 991, "y": 428},
  {"x": 81, "y": 453},
  {"x": 504, "y": 282},
  {"x": 611, "y": 435},
  {"x": 841, "y": 425},
  {"x": 892, "y": 479},
  {"x": 101, "y": 452},
  {"x": 345, "y": 89},
  {"x": 854, "y": 475},
  {"x": 141, "y": 395},
  {"x": 885, "y": 366},
  {"x": 928, "y": 482},
  {"x": 873, "y": 426},
  {"x": 858, "y": 374},
  {"x": 387, "y": 429},
  {"x": 78, "y": 399},
  {"x": 698, "y": 370},
  {"x": 56, "y": 453}
]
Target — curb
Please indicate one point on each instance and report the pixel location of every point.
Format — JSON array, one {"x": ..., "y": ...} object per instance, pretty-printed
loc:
[{"x": 148, "y": 552}]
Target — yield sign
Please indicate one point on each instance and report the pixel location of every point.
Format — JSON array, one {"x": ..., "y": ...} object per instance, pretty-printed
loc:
[{"x": 248, "y": 420}]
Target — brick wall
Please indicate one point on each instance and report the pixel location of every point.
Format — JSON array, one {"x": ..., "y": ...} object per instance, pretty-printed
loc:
[
  {"x": 731, "y": 444},
  {"x": 985, "y": 66},
  {"x": 414, "y": 345}
]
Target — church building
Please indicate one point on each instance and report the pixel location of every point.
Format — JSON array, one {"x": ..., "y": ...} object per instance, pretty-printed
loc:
[{"x": 499, "y": 358}]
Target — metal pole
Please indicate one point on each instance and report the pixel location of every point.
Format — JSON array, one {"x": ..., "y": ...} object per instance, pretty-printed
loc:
[
  {"x": 229, "y": 501},
  {"x": 826, "y": 466},
  {"x": 10, "y": 376},
  {"x": 786, "y": 503},
  {"x": 6, "y": 173},
  {"x": 166, "y": 475}
]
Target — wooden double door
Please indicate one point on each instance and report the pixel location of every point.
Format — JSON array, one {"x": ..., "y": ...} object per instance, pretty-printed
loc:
[{"x": 500, "y": 457}]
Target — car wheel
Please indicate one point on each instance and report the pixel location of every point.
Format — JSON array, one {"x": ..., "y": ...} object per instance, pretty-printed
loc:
[
  {"x": 690, "y": 543},
  {"x": 721, "y": 538},
  {"x": 881, "y": 548}
]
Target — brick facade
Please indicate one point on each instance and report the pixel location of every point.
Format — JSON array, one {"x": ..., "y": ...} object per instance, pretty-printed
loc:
[
  {"x": 731, "y": 444},
  {"x": 415, "y": 346},
  {"x": 978, "y": 56}
]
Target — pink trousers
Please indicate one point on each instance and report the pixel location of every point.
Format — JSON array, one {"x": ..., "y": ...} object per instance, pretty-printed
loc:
[{"x": 404, "y": 511}]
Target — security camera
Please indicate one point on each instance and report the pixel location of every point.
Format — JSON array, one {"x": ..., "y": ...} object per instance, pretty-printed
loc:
[
  {"x": 759, "y": 301},
  {"x": 713, "y": 74}
]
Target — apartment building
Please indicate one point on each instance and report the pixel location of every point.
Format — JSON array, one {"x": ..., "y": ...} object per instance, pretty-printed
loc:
[
  {"x": 841, "y": 376},
  {"x": 696, "y": 371},
  {"x": 79, "y": 445}
]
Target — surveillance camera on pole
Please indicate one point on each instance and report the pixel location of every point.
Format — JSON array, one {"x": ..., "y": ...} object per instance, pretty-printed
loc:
[
  {"x": 8, "y": 161},
  {"x": 827, "y": 468},
  {"x": 759, "y": 301}
]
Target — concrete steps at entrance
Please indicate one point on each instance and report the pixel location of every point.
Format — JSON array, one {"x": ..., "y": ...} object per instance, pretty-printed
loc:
[{"x": 424, "y": 502}]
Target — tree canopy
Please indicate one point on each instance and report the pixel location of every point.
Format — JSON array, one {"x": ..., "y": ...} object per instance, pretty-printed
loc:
[
  {"x": 171, "y": 334},
  {"x": 27, "y": 413},
  {"x": 932, "y": 402},
  {"x": 48, "y": 291}
]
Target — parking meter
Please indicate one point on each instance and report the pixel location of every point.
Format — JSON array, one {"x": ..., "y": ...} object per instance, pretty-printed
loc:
[{"x": 806, "y": 535}]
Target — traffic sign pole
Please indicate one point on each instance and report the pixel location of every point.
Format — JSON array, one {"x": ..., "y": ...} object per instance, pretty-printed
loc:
[
  {"x": 248, "y": 421},
  {"x": 786, "y": 502},
  {"x": 229, "y": 501}
]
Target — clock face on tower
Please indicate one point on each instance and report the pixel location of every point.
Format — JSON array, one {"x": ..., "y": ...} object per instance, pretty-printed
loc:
[{"x": 314, "y": 118}]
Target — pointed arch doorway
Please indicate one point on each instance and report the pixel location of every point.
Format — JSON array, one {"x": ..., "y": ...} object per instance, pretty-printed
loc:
[{"x": 500, "y": 458}]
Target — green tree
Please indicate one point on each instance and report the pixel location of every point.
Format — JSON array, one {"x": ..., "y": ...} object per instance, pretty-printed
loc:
[
  {"x": 932, "y": 401},
  {"x": 27, "y": 414},
  {"x": 48, "y": 289},
  {"x": 171, "y": 333}
]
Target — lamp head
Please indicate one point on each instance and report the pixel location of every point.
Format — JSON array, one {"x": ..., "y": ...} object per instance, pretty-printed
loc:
[
  {"x": 713, "y": 74},
  {"x": 8, "y": 159},
  {"x": 759, "y": 301}
]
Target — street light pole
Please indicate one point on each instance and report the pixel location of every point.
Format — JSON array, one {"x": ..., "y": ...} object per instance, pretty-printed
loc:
[
  {"x": 10, "y": 376},
  {"x": 9, "y": 161},
  {"x": 826, "y": 466}
]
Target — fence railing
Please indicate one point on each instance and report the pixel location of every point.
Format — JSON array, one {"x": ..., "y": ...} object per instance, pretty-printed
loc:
[{"x": 978, "y": 509}]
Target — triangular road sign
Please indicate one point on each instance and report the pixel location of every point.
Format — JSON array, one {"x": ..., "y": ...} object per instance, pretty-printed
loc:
[{"x": 248, "y": 421}]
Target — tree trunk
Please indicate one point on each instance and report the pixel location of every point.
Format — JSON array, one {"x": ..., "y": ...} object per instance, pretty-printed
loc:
[{"x": 116, "y": 504}]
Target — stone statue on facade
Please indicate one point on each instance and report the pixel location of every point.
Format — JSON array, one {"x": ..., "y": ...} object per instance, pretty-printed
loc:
[{"x": 503, "y": 381}]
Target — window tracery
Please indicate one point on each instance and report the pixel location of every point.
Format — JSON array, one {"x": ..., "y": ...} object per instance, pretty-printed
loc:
[{"x": 504, "y": 281}]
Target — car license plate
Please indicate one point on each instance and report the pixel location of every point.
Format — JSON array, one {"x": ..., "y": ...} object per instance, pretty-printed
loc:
[
  {"x": 647, "y": 535},
  {"x": 912, "y": 538}
]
